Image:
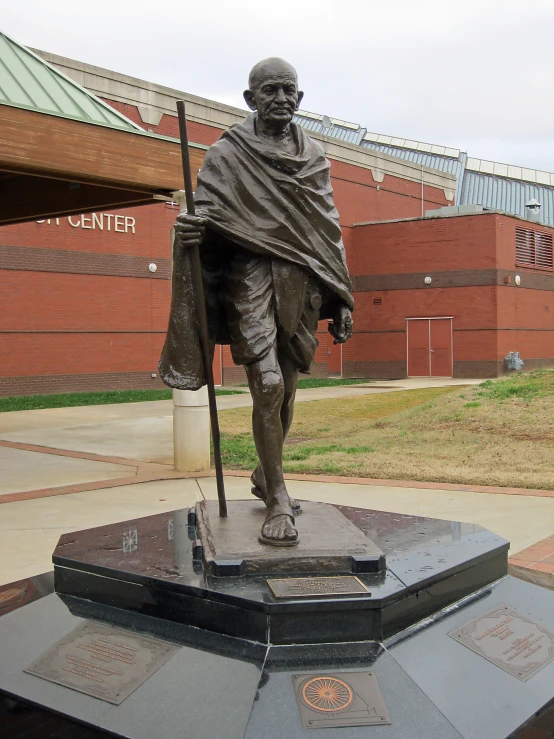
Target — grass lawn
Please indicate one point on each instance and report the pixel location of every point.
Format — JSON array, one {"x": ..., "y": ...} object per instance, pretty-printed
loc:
[
  {"x": 66, "y": 400},
  {"x": 498, "y": 433}
]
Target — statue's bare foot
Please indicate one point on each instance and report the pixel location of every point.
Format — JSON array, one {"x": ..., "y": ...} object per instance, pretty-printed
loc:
[
  {"x": 259, "y": 490},
  {"x": 278, "y": 530}
]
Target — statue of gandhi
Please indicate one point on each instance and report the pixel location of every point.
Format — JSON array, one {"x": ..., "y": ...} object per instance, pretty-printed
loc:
[{"x": 273, "y": 265}]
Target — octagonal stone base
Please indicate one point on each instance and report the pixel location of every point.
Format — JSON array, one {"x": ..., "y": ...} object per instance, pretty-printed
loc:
[{"x": 146, "y": 566}]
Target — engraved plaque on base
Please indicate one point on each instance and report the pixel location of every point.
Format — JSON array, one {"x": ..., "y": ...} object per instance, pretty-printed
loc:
[
  {"x": 315, "y": 587},
  {"x": 509, "y": 640},
  {"x": 102, "y": 661},
  {"x": 339, "y": 699}
]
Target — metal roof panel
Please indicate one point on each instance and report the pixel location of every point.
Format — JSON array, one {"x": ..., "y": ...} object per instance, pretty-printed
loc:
[
  {"x": 499, "y": 193},
  {"x": 444, "y": 164},
  {"x": 349, "y": 132},
  {"x": 27, "y": 81}
]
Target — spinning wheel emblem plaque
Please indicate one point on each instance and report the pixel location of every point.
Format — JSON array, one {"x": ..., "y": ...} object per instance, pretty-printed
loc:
[{"x": 328, "y": 694}]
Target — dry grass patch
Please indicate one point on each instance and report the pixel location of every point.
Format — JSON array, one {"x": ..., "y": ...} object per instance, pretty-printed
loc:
[{"x": 498, "y": 433}]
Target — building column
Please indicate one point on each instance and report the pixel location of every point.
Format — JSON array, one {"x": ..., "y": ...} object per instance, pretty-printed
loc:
[{"x": 191, "y": 430}]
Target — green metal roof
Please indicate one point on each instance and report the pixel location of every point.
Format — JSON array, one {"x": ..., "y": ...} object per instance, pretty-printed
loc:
[{"x": 27, "y": 81}]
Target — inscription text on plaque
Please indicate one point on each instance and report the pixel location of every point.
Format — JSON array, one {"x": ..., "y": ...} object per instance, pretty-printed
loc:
[
  {"x": 102, "y": 661},
  {"x": 509, "y": 640},
  {"x": 310, "y": 587}
]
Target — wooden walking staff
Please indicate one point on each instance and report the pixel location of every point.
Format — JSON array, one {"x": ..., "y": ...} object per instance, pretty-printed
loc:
[{"x": 201, "y": 310}]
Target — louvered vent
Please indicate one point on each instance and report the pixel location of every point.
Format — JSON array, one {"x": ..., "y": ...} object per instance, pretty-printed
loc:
[
  {"x": 377, "y": 301},
  {"x": 533, "y": 248}
]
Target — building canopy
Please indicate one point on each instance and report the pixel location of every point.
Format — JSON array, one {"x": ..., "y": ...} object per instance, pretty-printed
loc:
[{"x": 64, "y": 151}]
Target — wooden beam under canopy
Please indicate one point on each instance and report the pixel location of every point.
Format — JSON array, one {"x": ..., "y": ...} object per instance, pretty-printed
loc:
[{"x": 56, "y": 148}]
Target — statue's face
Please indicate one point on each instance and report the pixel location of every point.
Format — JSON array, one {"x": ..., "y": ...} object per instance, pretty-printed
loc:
[{"x": 274, "y": 95}]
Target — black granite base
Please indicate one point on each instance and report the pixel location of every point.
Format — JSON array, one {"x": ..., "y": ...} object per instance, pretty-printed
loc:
[
  {"x": 146, "y": 566},
  {"x": 240, "y": 647},
  {"x": 218, "y": 686}
]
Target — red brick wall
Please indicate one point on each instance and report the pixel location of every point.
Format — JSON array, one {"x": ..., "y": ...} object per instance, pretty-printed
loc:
[
  {"x": 426, "y": 245},
  {"x": 198, "y": 133},
  {"x": 84, "y": 303},
  {"x": 106, "y": 328},
  {"x": 359, "y": 197}
]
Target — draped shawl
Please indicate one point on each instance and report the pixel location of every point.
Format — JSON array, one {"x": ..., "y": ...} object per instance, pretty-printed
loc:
[{"x": 269, "y": 202}]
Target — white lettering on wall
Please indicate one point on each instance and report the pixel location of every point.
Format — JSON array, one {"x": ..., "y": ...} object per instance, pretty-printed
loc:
[{"x": 99, "y": 222}]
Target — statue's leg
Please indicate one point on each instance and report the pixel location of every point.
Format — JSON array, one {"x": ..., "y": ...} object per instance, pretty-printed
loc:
[
  {"x": 290, "y": 381},
  {"x": 267, "y": 386}
]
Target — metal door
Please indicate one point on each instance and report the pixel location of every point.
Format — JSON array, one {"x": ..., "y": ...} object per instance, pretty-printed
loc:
[
  {"x": 419, "y": 363},
  {"x": 429, "y": 346},
  {"x": 440, "y": 348}
]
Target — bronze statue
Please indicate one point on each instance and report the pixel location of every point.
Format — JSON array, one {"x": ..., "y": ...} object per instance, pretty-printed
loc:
[{"x": 273, "y": 265}]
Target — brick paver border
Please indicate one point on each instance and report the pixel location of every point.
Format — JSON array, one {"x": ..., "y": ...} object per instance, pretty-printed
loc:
[
  {"x": 535, "y": 564},
  {"x": 153, "y": 471}
]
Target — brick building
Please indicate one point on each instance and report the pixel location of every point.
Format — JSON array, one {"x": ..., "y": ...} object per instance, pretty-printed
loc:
[
  {"x": 451, "y": 296},
  {"x": 85, "y": 298}
]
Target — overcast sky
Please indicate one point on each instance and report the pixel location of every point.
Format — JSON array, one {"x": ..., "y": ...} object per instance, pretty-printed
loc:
[{"x": 475, "y": 75}]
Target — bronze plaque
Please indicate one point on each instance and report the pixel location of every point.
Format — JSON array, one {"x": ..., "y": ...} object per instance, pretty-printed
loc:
[
  {"x": 314, "y": 587},
  {"x": 339, "y": 699},
  {"x": 101, "y": 661},
  {"x": 509, "y": 640}
]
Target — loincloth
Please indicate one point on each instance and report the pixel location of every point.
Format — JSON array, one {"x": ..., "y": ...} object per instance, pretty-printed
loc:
[{"x": 270, "y": 302}]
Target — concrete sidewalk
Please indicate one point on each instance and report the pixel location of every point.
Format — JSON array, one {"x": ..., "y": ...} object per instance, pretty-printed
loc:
[{"x": 72, "y": 468}]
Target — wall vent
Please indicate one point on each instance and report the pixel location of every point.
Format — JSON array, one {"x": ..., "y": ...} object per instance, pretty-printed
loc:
[
  {"x": 377, "y": 301},
  {"x": 533, "y": 248}
]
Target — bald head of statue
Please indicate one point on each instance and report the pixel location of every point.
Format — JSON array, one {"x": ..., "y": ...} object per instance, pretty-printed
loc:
[{"x": 273, "y": 92}]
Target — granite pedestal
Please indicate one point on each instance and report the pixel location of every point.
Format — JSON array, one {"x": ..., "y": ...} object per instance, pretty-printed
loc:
[
  {"x": 242, "y": 651},
  {"x": 147, "y": 566}
]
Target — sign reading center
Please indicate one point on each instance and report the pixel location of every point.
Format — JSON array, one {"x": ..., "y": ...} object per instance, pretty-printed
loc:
[{"x": 99, "y": 222}]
